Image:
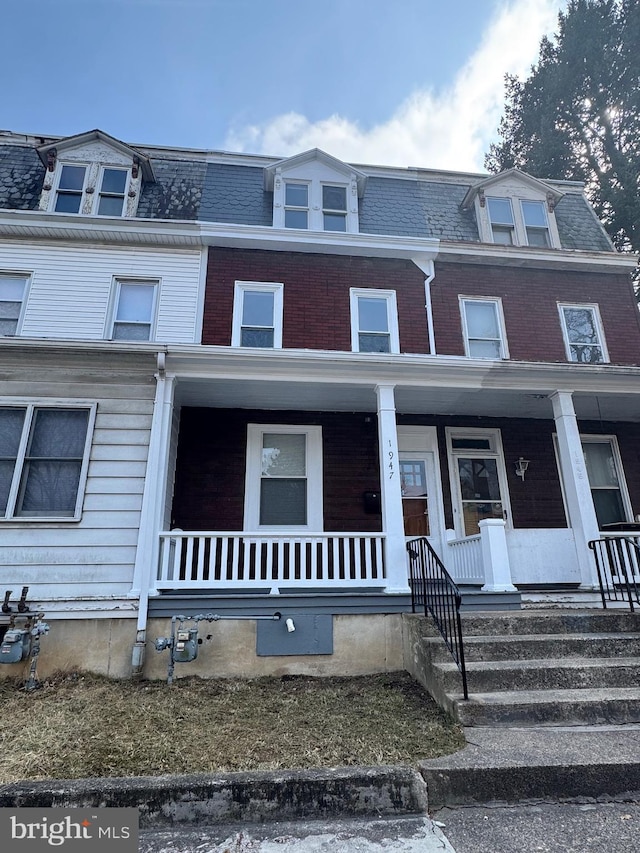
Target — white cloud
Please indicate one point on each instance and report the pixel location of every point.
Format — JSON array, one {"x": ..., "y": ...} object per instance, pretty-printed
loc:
[{"x": 448, "y": 129}]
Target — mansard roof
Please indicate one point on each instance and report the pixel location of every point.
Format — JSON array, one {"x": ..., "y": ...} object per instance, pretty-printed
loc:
[
  {"x": 68, "y": 143},
  {"x": 221, "y": 187}
]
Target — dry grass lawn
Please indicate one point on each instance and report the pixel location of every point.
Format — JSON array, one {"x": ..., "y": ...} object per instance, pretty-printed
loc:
[{"x": 82, "y": 725}]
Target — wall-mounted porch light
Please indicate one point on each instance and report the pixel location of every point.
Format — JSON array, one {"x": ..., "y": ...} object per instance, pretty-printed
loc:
[{"x": 521, "y": 467}]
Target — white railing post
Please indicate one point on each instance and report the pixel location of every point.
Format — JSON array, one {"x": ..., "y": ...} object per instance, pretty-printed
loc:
[
  {"x": 495, "y": 556},
  {"x": 396, "y": 561}
]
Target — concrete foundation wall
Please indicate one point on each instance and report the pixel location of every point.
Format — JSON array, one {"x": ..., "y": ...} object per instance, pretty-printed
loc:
[{"x": 362, "y": 644}]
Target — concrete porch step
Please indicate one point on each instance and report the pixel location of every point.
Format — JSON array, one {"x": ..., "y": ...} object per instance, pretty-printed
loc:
[
  {"x": 526, "y": 622},
  {"x": 541, "y": 646},
  {"x": 565, "y": 674},
  {"x": 597, "y": 706}
]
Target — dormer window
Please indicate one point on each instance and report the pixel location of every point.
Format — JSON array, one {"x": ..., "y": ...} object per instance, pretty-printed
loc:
[
  {"x": 112, "y": 192},
  {"x": 70, "y": 189},
  {"x": 536, "y": 223},
  {"x": 315, "y": 192},
  {"x": 334, "y": 208},
  {"x": 296, "y": 205},
  {"x": 501, "y": 217},
  {"x": 515, "y": 209},
  {"x": 93, "y": 174}
]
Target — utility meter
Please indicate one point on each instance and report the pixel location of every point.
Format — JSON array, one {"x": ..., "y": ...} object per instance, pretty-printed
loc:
[
  {"x": 16, "y": 645},
  {"x": 186, "y": 645}
]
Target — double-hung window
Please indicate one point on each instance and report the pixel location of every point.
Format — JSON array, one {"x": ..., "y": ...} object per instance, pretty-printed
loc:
[
  {"x": 334, "y": 208},
  {"x": 257, "y": 314},
  {"x": 44, "y": 454},
  {"x": 134, "y": 310},
  {"x": 536, "y": 224},
  {"x": 502, "y": 222},
  {"x": 13, "y": 289},
  {"x": 583, "y": 337},
  {"x": 296, "y": 205},
  {"x": 374, "y": 321},
  {"x": 483, "y": 328},
  {"x": 113, "y": 183},
  {"x": 70, "y": 190},
  {"x": 284, "y": 477},
  {"x": 606, "y": 480}
]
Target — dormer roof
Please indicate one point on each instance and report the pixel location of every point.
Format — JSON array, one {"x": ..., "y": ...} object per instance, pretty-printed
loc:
[
  {"x": 545, "y": 189},
  {"x": 315, "y": 154},
  {"x": 68, "y": 143}
]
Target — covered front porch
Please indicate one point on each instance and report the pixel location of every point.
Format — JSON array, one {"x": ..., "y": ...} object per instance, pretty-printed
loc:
[{"x": 356, "y": 426}]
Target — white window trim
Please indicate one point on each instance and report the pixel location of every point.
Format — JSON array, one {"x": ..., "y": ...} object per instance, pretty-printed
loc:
[
  {"x": 56, "y": 183},
  {"x": 497, "y": 301},
  {"x": 240, "y": 288},
  {"x": 519, "y": 228},
  {"x": 27, "y": 286},
  {"x": 315, "y": 511},
  {"x": 118, "y": 280},
  {"x": 612, "y": 441},
  {"x": 356, "y": 293},
  {"x": 30, "y": 407},
  {"x": 495, "y": 452},
  {"x": 315, "y": 214},
  {"x": 98, "y": 193},
  {"x": 591, "y": 306}
]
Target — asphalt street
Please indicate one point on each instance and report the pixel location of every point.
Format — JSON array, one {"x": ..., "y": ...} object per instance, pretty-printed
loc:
[{"x": 540, "y": 828}]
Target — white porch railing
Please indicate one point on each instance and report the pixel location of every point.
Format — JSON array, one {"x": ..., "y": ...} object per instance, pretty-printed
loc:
[
  {"x": 463, "y": 559},
  {"x": 214, "y": 560}
]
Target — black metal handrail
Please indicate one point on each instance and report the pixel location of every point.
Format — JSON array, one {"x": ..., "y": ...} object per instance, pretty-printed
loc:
[
  {"x": 618, "y": 565},
  {"x": 433, "y": 588}
]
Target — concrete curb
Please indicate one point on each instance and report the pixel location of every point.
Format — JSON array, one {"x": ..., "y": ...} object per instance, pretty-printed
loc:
[{"x": 246, "y": 797}]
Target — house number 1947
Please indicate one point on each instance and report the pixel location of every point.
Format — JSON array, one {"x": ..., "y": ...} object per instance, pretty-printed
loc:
[{"x": 391, "y": 465}]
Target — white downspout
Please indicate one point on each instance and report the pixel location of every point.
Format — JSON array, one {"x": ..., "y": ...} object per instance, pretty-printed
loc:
[
  {"x": 430, "y": 270},
  {"x": 152, "y": 506}
]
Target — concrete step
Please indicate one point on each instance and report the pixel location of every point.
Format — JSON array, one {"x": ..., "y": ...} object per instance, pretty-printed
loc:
[
  {"x": 549, "y": 622},
  {"x": 565, "y": 674},
  {"x": 540, "y": 646},
  {"x": 597, "y": 706},
  {"x": 512, "y": 764}
]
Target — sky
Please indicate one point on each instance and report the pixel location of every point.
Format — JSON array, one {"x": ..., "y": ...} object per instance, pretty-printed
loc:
[{"x": 390, "y": 82}]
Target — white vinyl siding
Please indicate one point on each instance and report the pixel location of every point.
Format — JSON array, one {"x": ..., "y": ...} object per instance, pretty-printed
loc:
[
  {"x": 71, "y": 288},
  {"x": 94, "y": 556}
]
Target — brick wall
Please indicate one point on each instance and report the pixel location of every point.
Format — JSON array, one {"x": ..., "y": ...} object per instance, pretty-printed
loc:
[
  {"x": 529, "y": 301},
  {"x": 209, "y": 490},
  {"x": 316, "y": 295}
]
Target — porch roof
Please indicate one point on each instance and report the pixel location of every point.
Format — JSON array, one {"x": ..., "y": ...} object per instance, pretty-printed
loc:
[{"x": 221, "y": 377}]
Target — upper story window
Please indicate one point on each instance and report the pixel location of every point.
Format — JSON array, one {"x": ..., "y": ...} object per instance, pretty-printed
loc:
[
  {"x": 334, "y": 208},
  {"x": 536, "y": 223},
  {"x": 257, "y": 314},
  {"x": 296, "y": 200},
  {"x": 501, "y": 218},
  {"x": 134, "y": 310},
  {"x": 93, "y": 174},
  {"x": 70, "y": 190},
  {"x": 483, "y": 328},
  {"x": 374, "y": 321},
  {"x": 583, "y": 335},
  {"x": 315, "y": 192},
  {"x": 112, "y": 192},
  {"x": 44, "y": 455},
  {"x": 13, "y": 289},
  {"x": 515, "y": 209}
]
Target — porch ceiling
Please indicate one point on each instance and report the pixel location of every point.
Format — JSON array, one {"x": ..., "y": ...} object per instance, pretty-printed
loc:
[{"x": 351, "y": 397}]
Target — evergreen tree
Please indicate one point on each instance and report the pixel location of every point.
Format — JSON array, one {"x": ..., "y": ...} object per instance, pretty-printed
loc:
[{"x": 577, "y": 116}]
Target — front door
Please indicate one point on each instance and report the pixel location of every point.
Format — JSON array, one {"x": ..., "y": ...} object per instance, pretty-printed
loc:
[
  {"x": 415, "y": 507},
  {"x": 422, "y": 505}
]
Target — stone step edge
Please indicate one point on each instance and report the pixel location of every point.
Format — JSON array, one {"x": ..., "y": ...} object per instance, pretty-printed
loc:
[
  {"x": 226, "y": 798},
  {"x": 460, "y": 786},
  {"x": 538, "y": 663},
  {"x": 584, "y": 695}
]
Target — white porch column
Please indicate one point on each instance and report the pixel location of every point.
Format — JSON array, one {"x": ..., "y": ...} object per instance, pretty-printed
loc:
[
  {"x": 153, "y": 504},
  {"x": 495, "y": 556},
  {"x": 582, "y": 515},
  {"x": 391, "y": 492}
]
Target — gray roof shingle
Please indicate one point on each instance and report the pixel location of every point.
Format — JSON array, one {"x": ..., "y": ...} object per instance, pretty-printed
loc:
[{"x": 21, "y": 177}]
